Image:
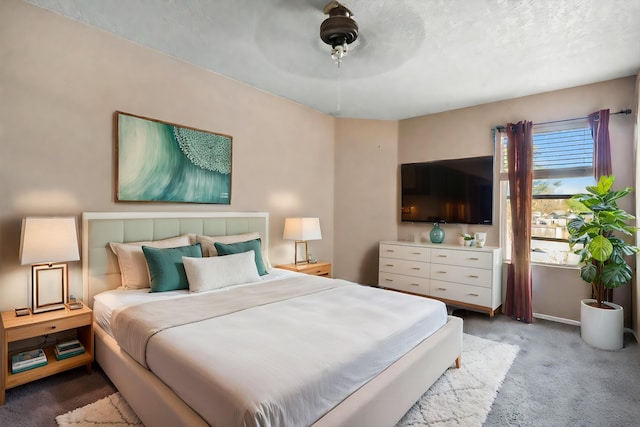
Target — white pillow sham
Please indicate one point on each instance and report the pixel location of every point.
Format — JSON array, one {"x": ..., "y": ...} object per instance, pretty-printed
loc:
[
  {"x": 133, "y": 265},
  {"x": 205, "y": 274},
  {"x": 207, "y": 242}
]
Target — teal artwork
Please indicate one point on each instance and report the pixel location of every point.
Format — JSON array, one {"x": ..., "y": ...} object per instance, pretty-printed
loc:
[{"x": 164, "y": 162}]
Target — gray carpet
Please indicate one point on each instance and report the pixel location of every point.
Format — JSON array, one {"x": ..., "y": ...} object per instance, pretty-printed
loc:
[{"x": 552, "y": 381}]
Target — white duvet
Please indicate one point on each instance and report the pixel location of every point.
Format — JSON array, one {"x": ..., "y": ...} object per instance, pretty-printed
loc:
[{"x": 285, "y": 362}]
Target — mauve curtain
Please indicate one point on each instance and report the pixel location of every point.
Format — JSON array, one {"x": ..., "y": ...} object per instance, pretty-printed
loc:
[
  {"x": 520, "y": 166},
  {"x": 599, "y": 124}
]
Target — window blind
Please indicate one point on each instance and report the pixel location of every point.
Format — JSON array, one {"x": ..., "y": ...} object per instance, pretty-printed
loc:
[{"x": 558, "y": 152}]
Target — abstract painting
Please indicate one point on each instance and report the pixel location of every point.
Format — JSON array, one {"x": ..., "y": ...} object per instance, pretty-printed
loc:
[{"x": 164, "y": 162}]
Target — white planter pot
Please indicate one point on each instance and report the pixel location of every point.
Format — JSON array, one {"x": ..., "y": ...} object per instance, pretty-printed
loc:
[{"x": 600, "y": 327}]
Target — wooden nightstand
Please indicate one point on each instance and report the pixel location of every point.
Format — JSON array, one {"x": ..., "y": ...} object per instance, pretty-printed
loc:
[
  {"x": 15, "y": 328},
  {"x": 318, "y": 269}
]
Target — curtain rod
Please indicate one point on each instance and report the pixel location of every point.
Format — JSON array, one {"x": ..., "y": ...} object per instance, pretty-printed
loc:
[{"x": 627, "y": 111}]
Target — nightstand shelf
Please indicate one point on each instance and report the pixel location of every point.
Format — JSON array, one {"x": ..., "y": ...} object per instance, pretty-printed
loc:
[
  {"x": 15, "y": 329},
  {"x": 317, "y": 269}
]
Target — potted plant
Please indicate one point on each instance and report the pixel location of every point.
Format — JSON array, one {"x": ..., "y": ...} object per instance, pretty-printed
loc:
[{"x": 595, "y": 238}]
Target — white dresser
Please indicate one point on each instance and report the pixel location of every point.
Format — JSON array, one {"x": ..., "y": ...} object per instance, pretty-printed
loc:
[{"x": 458, "y": 275}]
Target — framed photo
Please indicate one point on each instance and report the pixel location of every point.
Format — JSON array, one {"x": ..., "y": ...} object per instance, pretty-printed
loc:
[
  {"x": 164, "y": 162},
  {"x": 50, "y": 286}
]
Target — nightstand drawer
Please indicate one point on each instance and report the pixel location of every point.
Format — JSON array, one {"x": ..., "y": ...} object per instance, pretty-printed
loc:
[
  {"x": 48, "y": 327},
  {"x": 318, "y": 270}
]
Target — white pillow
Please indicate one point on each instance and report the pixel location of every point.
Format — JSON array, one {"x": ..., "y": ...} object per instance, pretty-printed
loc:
[
  {"x": 207, "y": 242},
  {"x": 205, "y": 274},
  {"x": 133, "y": 265}
]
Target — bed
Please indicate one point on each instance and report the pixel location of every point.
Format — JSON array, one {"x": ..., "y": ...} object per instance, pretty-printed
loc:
[{"x": 161, "y": 385}]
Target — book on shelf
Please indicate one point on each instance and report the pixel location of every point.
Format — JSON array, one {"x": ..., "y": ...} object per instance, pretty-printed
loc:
[
  {"x": 68, "y": 349},
  {"x": 28, "y": 360}
]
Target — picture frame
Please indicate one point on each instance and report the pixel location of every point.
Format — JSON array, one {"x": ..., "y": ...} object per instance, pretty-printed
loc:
[
  {"x": 50, "y": 287},
  {"x": 158, "y": 161}
]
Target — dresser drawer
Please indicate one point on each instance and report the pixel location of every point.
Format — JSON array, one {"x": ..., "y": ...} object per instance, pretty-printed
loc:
[
  {"x": 461, "y": 293},
  {"x": 48, "y": 327},
  {"x": 408, "y": 268},
  {"x": 463, "y": 258},
  {"x": 416, "y": 285},
  {"x": 466, "y": 275},
  {"x": 412, "y": 253}
]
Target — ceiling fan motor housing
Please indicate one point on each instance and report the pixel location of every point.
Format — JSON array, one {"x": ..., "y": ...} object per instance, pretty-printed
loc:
[{"x": 339, "y": 28}]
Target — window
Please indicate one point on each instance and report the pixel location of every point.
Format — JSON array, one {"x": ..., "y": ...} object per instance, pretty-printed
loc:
[{"x": 562, "y": 167}]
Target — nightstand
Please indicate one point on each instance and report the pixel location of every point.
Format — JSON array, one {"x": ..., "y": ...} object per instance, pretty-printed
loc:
[
  {"x": 318, "y": 269},
  {"x": 20, "y": 328}
]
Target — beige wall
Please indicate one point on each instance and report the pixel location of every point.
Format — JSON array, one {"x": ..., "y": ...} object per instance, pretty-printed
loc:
[
  {"x": 366, "y": 163},
  {"x": 60, "y": 83},
  {"x": 467, "y": 133}
]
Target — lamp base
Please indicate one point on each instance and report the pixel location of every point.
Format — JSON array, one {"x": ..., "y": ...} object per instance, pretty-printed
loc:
[{"x": 306, "y": 253}]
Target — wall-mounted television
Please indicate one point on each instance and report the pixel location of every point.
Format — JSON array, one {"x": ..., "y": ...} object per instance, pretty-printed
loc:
[{"x": 456, "y": 191}]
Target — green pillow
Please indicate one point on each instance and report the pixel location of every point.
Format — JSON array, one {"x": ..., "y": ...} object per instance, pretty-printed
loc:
[
  {"x": 249, "y": 245},
  {"x": 166, "y": 270}
]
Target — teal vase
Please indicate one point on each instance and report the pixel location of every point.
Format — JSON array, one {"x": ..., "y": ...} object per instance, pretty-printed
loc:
[{"x": 437, "y": 234}]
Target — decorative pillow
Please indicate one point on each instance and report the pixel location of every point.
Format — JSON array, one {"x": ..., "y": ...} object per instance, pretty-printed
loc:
[
  {"x": 207, "y": 242},
  {"x": 239, "y": 247},
  {"x": 205, "y": 274},
  {"x": 166, "y": 270},
  {"x": 133, "y": 267}
]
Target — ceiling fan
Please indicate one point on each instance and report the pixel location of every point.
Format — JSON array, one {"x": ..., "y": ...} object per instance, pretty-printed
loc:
[{"x": 339, "y": 30}]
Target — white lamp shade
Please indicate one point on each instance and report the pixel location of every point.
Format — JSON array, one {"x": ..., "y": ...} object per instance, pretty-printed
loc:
[
  {"x": 50, "y": 239},
  {"x": 302, "y": 229}
]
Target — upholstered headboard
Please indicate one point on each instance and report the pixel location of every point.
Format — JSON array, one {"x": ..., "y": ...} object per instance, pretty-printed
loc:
[{"x": 100, "y": 268}]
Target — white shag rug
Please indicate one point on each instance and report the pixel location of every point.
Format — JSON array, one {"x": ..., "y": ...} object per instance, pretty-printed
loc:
[{"x": 460, "y": 397}]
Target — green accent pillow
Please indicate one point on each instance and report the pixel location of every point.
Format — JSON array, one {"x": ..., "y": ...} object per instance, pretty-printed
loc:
[
  {"x": 236, "y": 248},
  {"x": 166, "y": 269}
]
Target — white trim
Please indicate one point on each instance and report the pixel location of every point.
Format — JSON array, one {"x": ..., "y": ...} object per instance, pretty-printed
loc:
[
  {"x": 556, "y": 319},
  {"x": 632, "y": 332}
]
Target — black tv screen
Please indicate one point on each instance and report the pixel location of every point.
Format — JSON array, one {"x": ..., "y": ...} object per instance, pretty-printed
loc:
[{"x": 452, "y": 191}]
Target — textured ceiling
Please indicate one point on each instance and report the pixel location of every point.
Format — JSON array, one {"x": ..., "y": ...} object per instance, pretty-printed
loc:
[{"x": 412, "y": 57}]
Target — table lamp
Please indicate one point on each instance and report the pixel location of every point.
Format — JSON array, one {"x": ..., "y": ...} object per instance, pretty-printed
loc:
[
  {"x": 47, "y": 243},
  {"x": 301, "y": 230}
]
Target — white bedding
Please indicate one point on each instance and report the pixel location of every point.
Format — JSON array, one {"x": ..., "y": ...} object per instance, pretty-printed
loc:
[{"x": 287, "y": 362}]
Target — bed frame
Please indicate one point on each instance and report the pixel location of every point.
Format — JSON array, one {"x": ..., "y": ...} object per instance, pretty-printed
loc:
[{"x": 380, "y": 402}]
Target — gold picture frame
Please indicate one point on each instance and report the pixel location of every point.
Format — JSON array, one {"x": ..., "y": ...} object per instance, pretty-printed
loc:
[{"x": 50, "y": 286}]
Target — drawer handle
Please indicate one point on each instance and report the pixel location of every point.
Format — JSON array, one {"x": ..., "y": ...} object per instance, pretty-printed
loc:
[
  {"x": 441, "y": 289},
  {"x": 474, "y": 259},
  {"x": 473, "y": 276},
  {"x": 442, "y": 256},
  {"x": 390, "y": 250},
  {"x": 389, "y": 265},
  {"x": 416, "y": 253},
  {"x": 414, "y": 284},
  {"x": 441, "y": 272},
  {"x": 416, "y": 268},
  {"x": 388, "y": 280},
  {"x": 53, "y": 327},
  {"x": 473, "y": 295}
]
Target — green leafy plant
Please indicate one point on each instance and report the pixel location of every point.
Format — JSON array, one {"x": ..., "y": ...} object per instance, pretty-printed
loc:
[{"x": 601, "y": 251}]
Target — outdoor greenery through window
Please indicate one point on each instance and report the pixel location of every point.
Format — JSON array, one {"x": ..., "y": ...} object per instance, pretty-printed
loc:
[{"x": 563, "y": 166}]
